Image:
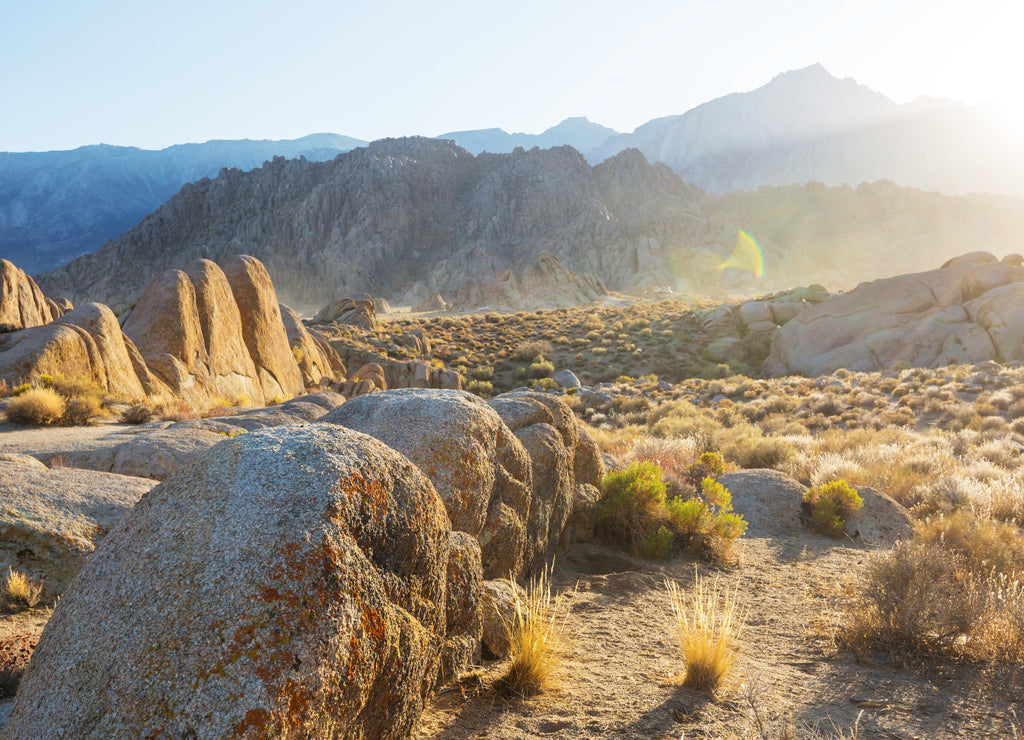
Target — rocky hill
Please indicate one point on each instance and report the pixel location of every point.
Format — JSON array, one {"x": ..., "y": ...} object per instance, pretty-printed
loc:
[
  {"x": 806, "y": 125},
  {"x": 55, "y": 206},
  {"x": 405, "y": 218}
]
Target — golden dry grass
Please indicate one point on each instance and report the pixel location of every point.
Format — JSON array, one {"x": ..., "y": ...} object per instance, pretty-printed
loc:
[
  {"x": 539, "y": 640},
  {"x": 37, "y": 407},
  {"x": 19, "y": 590},
  {"x": 707, "y": 628}
]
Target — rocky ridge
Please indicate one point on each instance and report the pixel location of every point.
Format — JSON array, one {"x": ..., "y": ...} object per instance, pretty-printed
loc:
[{"x": 408, "y": 218}]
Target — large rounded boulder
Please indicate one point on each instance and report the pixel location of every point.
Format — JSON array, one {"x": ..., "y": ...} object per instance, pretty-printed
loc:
[
  {"x": 479, "y": 468},
  {"x": 286, "y": 583}
]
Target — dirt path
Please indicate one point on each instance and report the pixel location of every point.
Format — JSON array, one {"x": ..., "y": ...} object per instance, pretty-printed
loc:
[{"x": 619, "y": 678}]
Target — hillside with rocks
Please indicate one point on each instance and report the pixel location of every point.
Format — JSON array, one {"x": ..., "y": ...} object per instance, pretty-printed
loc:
[
  {"x": 407, "y": 218},
  {"x": 55, "y": 206}
]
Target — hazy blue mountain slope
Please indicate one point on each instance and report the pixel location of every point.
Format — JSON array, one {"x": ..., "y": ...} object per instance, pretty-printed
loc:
[
  {"x": 55, "y": 206},
  {"x": 806, "y": 126}
]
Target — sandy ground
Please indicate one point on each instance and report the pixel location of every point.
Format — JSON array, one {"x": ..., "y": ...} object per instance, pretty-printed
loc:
[
  {"x": 44, "y": 443},
  {"x": 621, "y": 677}
]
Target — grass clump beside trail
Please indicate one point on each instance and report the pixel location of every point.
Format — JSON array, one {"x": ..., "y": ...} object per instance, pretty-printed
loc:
[
  {"x": 707, "y": 628},
  {"x": 20, "y": 591},
  {"x": 538, "y": 640},
  {"x": 830, "y": 505},
  {"x": 634, "y": 512}
]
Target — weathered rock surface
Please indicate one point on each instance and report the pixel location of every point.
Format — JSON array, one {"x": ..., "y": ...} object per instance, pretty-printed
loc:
[
  {"x": 153, "y": 455},
  {"x": 231, "y": 371},
  {"x": 743, "y": 332},
  {"x": 359, "y": 310},
  {"x": 166, "y": 329},
  {"x": 51, "y": 519},
  {"x": 263, "y": 329},
  {"x": 771, "y": 502},
  {"x": 85, "y": 343},
  {"x": 481, "y": 471},
  {"x": 968, "y": 311},
  {"x": 497, "y": 608},
  {"x": 293, "y": 581},
  {"x": 22, "y": 303},
  {"x": 317, "y": 361},
  {"x": 562, "y": 457},
  {"x": 463, "y": 616}
]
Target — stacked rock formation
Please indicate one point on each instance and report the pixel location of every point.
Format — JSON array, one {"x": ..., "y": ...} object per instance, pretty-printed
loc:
[
  {"x": 199, "y": 333},
  {"x": 743, "y": 332},
  {"x": 22, "y": 303},
  {"x": 359, "y": 310},
  {"x": 968, "y": 311}
]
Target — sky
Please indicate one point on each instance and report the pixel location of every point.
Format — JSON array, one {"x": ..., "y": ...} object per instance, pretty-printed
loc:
[{"x": 156, "y": 74}]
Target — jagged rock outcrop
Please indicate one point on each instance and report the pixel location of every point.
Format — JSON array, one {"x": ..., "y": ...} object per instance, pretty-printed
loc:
[
  {"x": 359, "y": 310},
  {"x": 231, "y": 369},
  {"x": 386, "y": 372},
  {"x": 195, "y": 335},
  {"x": 968, "y": 311},
  {"x": 547, "y": 282},
  {"x": 263, "y": 329},
  {"x": 22, "y": 303},
  {"x": 316, "y": 564},
  {"x": 317, "y": 361},
  {"x": 405, "y": 213}
]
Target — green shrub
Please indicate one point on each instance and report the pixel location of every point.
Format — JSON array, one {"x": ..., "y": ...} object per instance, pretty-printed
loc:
[
  {"x": 657, "y": 543},
  {"x": 483, "y": 388},
  {"x": 541, "y": 368},
  {"x": 634, "y": 511},
  {"x": 632, "y": 504},
  {"x": 708, "y": 465},
  {"x": 830, "y": 505}
]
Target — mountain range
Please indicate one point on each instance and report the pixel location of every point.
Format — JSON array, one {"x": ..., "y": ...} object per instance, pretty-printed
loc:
[
  {"x": 55, "y": 206},
  {"x": 405, "y": 218},
  {"x": 803, "y": 126}
]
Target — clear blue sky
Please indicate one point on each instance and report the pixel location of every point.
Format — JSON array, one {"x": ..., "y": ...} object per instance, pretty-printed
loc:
[{"x": 154, "y": 74}]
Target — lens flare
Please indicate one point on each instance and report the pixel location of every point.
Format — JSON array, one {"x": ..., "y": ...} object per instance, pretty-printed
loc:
[{"x": 746, "y": 255}]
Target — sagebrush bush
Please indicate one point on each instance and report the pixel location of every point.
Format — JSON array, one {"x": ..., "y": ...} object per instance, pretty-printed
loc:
[
  {"x": 527, "y": 351},
  {"x": 81, "y": 411},
  {"x": 37, "y": 407},
  {"x": 922, "y": 599},
  {"x": 830, "y": 505},
  {"x": 138, "y": 412},
  {"x": 634, "y": 511}
]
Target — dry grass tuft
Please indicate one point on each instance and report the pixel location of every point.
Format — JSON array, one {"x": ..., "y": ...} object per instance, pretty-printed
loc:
[
  {"x": 19, "y": 590},
  {"x": 37, "y": 407},
  {"x": 539, "y": 639},
  {"x": 707, "y": 628}
]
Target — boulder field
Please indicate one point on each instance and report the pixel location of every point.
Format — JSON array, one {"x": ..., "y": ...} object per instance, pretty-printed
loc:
[
  {"x": 201, "y": 333},
  {"x": 969, "y": 310},
  {"x": 310, "y": 578}
]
